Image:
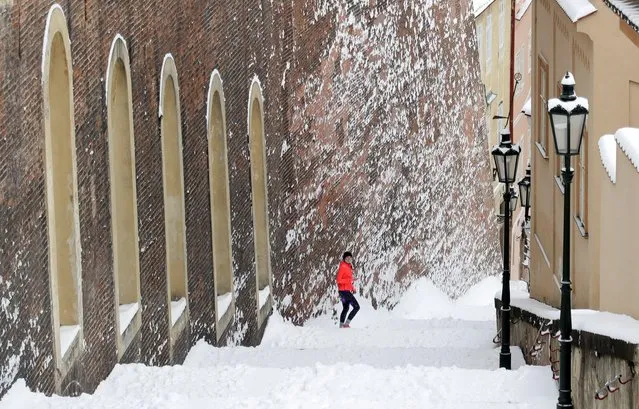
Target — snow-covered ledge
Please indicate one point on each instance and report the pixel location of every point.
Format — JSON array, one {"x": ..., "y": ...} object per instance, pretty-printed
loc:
[
  {"x": 614, "y": 326},
  {"x": 608, "y": 153},
  {"x": 605, "y": 346},
  {"x": 577, "y": 9},
  {"x": 628, "y": 141}
]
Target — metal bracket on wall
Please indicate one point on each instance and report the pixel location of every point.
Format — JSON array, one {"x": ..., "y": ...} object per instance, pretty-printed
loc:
[{"x": 609, "y": 387}]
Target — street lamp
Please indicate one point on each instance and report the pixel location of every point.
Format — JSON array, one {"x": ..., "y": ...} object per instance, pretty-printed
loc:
[
  {"x": 506, "y": 156},
  {"x": 568, "y": 115},
  {"x": 513, "y": 200},
  {"x": 524, "y": 192}
]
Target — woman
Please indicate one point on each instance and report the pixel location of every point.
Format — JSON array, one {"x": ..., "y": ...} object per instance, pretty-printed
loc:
[{"x": 346, "y": 290}]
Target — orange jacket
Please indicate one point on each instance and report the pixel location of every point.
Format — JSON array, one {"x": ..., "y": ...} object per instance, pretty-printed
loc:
[{"x": 345, "y": 277}]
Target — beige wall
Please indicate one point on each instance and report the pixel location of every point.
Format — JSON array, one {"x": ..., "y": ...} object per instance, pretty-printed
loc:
[
  {"x": 495, "y": 76},
  {"x": 584, "y": 49},
  {"x": 521, "y": 129},
  {"x": 620, "y": 280}
]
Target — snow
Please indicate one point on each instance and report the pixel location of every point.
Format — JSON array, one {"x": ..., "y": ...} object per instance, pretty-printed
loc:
[
  {"x": 215, "y": 77},
  {"x": 616, "y": 326},
  {"x": 68, "y": 333},
  {"x": 577, "y": 9},
  {"x": 383, "y": 361},
  {"x": 629, "y": 8},
  {"x": 264, "y": 295},
  {"x": 480, "y": 5},
  {"x": 223, "y": 304},
  {"x": 522, "y": 10},
  {"x": 118, "y": 37},
  {"x": 168, "y": 58},
  {"x": 527, "y": 108},
  {"x": 628, "y": 140},
  {"x": 569, "y": 106},
  {"x": 177, "y": 308},
  {"x": 608, "y": 153},
  {"x": 258, "y": 84},
  {"x": 46, "y": 40},
  {"x": 126, "y": 314}
]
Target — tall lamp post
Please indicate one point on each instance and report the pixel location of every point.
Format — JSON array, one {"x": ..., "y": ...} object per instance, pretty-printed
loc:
[
  {"x": 506, "y": 156},
  {"x": 568, "y": 115}
]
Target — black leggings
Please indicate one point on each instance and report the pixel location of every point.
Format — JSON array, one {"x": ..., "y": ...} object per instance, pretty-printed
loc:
[{"x": 347, "y": 299}]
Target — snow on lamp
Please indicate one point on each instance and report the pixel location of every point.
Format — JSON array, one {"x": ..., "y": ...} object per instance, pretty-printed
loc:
[
  {"x": 506, "y": 156},
  {"x": 568, "y": 115}
]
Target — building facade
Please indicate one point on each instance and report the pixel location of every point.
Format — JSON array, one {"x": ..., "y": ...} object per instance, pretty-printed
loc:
[
  {"x": 167, "y": 175},
  {"x": 580, "y": 39},
  {"x": 521, "y": 129},
  {"x": 493, "y": 26},
  {"x": 492, "y": 22}
]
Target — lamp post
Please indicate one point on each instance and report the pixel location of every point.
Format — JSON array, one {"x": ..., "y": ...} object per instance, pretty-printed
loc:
[
  {"x": 524, "y": 192},
  {"x": 506, "y": 156},
  {"x": 568, "y": 115}
]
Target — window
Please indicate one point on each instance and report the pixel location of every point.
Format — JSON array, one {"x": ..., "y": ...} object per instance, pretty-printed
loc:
[
  {"x": 173, "y": 183},
  {"x": 489, "y": 41},
  {"x": 220, "y": 205},
  {"x": 581, "y": 190},
  {"x": 502, "y": 24},
  {"x": 124, "y": 215},
  {"x": 260, "y": 200},
  {"x": 542, "y": 98},
  {"x": 63, "y": 220}
]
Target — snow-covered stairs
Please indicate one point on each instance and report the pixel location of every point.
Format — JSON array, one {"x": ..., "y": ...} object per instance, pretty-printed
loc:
[{"x": 384, "y": 361}]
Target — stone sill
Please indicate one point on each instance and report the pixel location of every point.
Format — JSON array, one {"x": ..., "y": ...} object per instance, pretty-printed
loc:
[
  {"x": 224, "y": 321},
  {"x": 124, "y": 342},
  {"x": 264, "y": 312}
]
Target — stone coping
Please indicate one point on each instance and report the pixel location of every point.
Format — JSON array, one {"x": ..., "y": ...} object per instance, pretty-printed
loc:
[{"x": 586, "y": 340}]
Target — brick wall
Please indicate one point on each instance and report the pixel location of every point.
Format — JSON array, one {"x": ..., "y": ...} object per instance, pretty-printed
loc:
[{"x": 361, "y": 113}]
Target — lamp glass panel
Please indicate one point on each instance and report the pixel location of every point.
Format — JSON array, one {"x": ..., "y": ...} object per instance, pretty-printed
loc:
[
  {"x": 523, "y": 193},
  {"x": 577, "y": 123},
  {"x": 560, "y": 131},
  {"x": 512, "y": 161},
  {"x": 500, "y": 161}
]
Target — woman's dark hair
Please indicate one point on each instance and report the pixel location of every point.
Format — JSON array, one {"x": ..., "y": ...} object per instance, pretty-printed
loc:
[{"x": 347, "y": 254}]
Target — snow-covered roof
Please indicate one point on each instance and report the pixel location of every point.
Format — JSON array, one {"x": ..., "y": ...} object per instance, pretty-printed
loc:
[
  {"x": 527, "y": 108},
  {"x": 480, "y": 5},
  {"x": 522, "y": 10},
  {"x": 608, "y": 153},
  {"x": 628, "y": 141},
  {"x": 577, "y": 9},
  {"x": 628, "y": 10}
]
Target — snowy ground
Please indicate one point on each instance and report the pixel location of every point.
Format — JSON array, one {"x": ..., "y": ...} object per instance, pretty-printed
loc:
[{"x": 428, "y": 352}]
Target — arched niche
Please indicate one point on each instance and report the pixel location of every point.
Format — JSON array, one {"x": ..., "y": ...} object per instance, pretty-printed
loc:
[
  {"x": 124, "y": 216},
  {"x": 220, "y": 203},
  {"x": 63, "y": 222}
]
